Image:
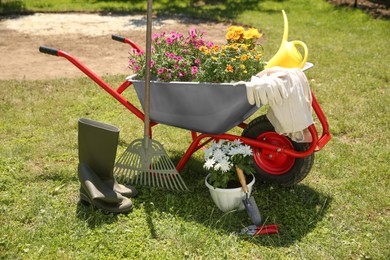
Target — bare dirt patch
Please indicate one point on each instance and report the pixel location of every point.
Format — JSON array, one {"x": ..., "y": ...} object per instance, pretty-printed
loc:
[
  {"x": 378, "y": 9},
  {"x": 86, "y": 36}
]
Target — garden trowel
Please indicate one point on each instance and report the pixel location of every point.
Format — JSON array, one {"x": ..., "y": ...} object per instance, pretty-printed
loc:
[{"x": 249, "y": 201}]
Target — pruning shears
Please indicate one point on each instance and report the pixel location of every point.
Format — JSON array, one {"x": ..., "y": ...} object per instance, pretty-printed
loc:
[{"x": 254, "y": 230}]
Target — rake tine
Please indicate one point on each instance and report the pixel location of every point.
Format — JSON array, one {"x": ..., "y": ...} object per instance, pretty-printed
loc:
[
  {"x": 137, "y": 166},
  {"x": 182, "y": 183},
  {"x": 160, "y": 175}
]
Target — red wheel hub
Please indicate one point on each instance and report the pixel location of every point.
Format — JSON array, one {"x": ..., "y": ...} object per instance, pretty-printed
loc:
[{"x": 270, "y": 161}]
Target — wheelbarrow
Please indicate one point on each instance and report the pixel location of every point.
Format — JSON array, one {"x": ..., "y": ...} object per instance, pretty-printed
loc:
[{"x": 209, "y": 112}]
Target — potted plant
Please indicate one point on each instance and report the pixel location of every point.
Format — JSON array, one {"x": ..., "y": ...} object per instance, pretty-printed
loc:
[
  {"x": 193, "y": 76},
  {"x": 224, "y": 160}
]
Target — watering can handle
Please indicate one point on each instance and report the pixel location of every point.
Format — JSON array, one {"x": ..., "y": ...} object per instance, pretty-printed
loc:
[{"x": 306, "y": 52}]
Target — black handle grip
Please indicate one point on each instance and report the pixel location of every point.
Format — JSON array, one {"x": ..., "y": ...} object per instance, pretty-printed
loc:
[
  {"x": 118, "y": 38},
  {"x": 48, "y": 50}
]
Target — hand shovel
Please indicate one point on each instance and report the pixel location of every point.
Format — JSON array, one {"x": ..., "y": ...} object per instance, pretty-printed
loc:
[{"x": 249, "y": 202}]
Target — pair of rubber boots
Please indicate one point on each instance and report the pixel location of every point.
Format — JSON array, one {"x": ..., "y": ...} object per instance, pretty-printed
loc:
[{"x": 97, "y": 152}]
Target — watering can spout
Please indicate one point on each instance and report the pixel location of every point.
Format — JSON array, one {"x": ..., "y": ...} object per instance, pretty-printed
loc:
[
  {"x": 288, "y": 55},
  {"x": 285, "y": 31}
]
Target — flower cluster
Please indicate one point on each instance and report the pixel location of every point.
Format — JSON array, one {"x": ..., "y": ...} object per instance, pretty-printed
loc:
[
  {"x": 223, "y": 157},
  {"x": 237, "y": 60},
  {"x": 176, "y": 57}
]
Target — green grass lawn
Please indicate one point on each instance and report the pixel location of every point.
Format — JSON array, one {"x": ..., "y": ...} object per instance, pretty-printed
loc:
[{"x": 340, "y": 211}]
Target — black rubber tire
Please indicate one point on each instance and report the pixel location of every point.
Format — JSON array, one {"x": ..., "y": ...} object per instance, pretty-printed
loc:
[{"x": 299, "y": 169}]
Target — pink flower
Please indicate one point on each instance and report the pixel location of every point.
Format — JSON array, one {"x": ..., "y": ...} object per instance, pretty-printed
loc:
[
  {"x": 169, "y": 41},
  {"x": 170, "y": 55},
  {"x": 136, "y": 68},
  {"x": 194, "y": 70},
  {"x": 193, "y": 33},
  {"x": 181, "y": 74},
  {"x": 160, "y": 71}
]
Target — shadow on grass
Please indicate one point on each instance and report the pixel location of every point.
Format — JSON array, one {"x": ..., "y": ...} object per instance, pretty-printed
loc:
[
  {"x": 207, "y": 9},
  {"x": 296, "y": 210},
  {"x": 93, "y": 217},
  {"x": 10, "y": 7},
  {"x": 212, "y": 9}
]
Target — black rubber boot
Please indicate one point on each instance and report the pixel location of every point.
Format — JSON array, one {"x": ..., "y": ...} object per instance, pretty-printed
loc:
[
  {"x": 95, "y": 192},
  {"x": 97, "y": 148}
]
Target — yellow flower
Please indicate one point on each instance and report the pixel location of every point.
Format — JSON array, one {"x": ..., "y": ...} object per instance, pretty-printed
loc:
[
  {"x": 205, "y": 50},
  {"x": 244, "y": 57},
  {"x": 251, "y": 33},
  {"x": 242, "y": 66},
  {"x": 233, "y": 36},
  {"x": 229, "y": 68},
  {"x": 236, "y": 29},
  {"x": 214, "y": 58}
]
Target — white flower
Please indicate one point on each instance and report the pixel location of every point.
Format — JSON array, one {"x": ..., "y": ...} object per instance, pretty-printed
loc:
[
  {"x": 216, "y": 146},
  {"x": 225, "y": 165},
  {"x": 237, "y": 142},
  {"x": 235, "y": 150},
  {"x": 247, "y": 150},
  {"x": 219, "y": 155},
  {"x": 209, "y": 164},
  {"x": 208, "y": 153}
]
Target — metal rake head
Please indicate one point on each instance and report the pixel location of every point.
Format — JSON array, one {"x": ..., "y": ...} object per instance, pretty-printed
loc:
[{"x": 148, "y": 165}]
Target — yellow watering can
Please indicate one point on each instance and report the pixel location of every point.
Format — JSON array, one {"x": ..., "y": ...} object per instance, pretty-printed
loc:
[{"x": 288, "y": 56}]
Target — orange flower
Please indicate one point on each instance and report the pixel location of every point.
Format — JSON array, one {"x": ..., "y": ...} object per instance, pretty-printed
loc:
[{"x": 229, "y": 68}]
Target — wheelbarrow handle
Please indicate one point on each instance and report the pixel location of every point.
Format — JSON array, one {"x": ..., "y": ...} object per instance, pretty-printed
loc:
[
  {"x": 118, "y": 38},
  {"x": 122, "y": 39},
  {"x": 48, "y": 50}
]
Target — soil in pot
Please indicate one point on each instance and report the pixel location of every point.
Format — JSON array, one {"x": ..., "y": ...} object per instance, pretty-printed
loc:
[{"x": 236, "y": 184}]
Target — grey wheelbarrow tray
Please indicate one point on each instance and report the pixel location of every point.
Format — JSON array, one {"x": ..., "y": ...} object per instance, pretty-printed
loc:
[
  {"x": 201, "y": 107},
  {"x": 206, "y": 111}
]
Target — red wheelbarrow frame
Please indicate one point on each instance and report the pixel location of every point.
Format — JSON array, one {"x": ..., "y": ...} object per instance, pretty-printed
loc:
[{"x": 318, "y": 142}]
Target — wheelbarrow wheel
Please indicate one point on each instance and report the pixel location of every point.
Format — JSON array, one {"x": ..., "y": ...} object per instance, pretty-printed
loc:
[{"x": 273, "y": 167}]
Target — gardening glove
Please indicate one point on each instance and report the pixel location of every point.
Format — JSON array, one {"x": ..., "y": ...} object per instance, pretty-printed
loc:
[
  {"x": 266, "y": 89},
  {"x": 278, "y": 81},
  {"x": 257, "y": 91},
  {"x": 293, "y": 114}
]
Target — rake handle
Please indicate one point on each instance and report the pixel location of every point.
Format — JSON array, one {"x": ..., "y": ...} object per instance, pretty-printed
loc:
[{"x": 147, "y": 72}]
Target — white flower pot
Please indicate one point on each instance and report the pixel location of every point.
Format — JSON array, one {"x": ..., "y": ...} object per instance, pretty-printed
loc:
[{"x": 228, "y": 199}]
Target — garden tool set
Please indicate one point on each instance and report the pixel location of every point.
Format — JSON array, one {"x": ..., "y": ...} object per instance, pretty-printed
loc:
[
  {"x": 208, "y": 111},
  {"x": 254, "y": 230},
  {"x": 249, "y": 202}
]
